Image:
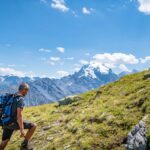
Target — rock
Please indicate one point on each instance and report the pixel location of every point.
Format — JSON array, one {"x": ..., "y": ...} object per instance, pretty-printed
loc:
[
  {"x": 146, "y": 76},
  {"x": 69, "y": 100},
  {"x": 50, "y": 138},
  {"x": 137, "y": 139},
  {"x": 67, "y": 147},
  {"x": 46, "y": 128}
]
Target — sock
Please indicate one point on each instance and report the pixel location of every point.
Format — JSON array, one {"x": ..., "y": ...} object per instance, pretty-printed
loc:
[{"x": 25, "y": 142}]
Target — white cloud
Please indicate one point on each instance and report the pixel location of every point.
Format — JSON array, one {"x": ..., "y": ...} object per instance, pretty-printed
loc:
[
  {"x": 77, "y": 69},
  {"x": 83, "y": 62},
  {"x": 77, "y": 65},
  {"x": 12, "y": 65},
  {"x": 110, "y": 65},
  {"x": 59, "y": 5},
  {"x": 123, "y": 67},
  {"x": 51, "y": 60},
  {"x": 54, "y": 58},
  {"x": 144, "y": 6},
  {"x": 117, "y": 61},
  {"x": 144, "y": 60},
  {"x": 30, "y": 74},
  {"x": 87, "y": 11},
  {"x": 70, "y": 58},
  {"x": 62, "y": 73},
  {"x": 51, "y": 63},
  {"x": 61, "y": 49},
  {"x": 116, "y": 58},
  {"x": 11, "y": 71},
  {"x": 74, "y": 13},
  {"x": 23, "y": 65},
  {"x": 44, "y": 50}
]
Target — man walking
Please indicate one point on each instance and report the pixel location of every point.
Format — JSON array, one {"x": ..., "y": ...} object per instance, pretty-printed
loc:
[{"x": 18, "y": 123}]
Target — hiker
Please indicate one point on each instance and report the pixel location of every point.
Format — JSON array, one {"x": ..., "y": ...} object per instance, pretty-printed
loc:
[{"x": 18, "y": 123}]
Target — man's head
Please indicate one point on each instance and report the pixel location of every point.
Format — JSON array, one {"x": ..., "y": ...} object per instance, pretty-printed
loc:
[{"x": 23, "y": 89}]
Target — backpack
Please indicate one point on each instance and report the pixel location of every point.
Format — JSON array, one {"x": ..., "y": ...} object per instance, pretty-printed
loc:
[{"x": 6, "y": 102}]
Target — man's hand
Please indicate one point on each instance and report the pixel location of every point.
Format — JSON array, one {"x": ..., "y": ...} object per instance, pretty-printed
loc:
[{"x": 22, "y": 133}]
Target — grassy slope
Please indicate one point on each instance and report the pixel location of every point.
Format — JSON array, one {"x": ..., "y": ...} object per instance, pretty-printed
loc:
[{"x": 98, "y": 119}]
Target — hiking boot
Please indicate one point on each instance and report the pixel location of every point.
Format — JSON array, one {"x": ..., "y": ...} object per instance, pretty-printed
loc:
[{"x": 24, "y": 147}]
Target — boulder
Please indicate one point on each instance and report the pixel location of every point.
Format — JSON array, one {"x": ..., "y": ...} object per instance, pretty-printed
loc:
[
  {"x": 137, "y": 139},
  {"x": 146, "y": 76}
]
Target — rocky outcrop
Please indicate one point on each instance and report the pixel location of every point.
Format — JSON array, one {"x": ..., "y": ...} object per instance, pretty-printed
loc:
[{"x": 137, "y": 139}]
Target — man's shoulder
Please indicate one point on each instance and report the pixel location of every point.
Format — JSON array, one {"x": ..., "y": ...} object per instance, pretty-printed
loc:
[
  {"x": 18, "y": 97},
  {"x": 20, "y": 101}
]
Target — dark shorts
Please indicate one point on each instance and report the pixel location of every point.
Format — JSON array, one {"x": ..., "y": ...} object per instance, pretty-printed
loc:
[{"x": 8, "y": 130}]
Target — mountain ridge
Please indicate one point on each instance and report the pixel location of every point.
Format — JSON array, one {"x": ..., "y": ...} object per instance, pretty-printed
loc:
[{"x": 47, "y": 90}]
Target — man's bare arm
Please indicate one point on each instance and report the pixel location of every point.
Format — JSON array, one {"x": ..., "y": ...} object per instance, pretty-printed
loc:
[{"x": 20, "y": 120}]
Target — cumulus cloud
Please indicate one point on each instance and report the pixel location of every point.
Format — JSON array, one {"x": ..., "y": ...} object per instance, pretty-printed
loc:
[
  {"x": 11, "y": 71},
  {"x": 144, "y": 6},
  {"x": 50, "y": 63},
  {"x": 70, "y": 58},
  {"x": 59, "y": 5},
  {"x": 116, "y": 58},
  {"x": 61, "y": 49},
  {"x": 145, "y": 60},
  {"x": 87, "y": 11},
  {"x": 77, "y": 65},
  {"x": 62, "y": 73},
  {"x": 116, "y": 61},
  {"x": 12, "y": 65},
  {"x": 75, "y": 14},
  {"x": 54, "y": 58},
  {"x": 123, "y": 67},
  {"x": 44, "y": 50},
  {"x": 83, "y": 62},
  {"x": 77, "y": 69}
]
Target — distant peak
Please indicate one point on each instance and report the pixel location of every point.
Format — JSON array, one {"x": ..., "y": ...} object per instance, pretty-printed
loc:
[{"x": 91, "y": 70}]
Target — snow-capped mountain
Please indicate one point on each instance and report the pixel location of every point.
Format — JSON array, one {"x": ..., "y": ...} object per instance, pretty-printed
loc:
[{"x": 46, "y": 90}]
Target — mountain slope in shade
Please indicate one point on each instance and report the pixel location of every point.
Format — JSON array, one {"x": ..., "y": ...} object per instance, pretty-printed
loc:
[{"x": 96, "y": 120}]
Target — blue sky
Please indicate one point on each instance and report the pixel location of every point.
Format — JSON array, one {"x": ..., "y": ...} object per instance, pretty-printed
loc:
[{"x": 56, "y": 37}]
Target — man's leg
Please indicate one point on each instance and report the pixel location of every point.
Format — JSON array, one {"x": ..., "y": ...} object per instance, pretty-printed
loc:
[
  {"x": 30, "y": 132},
  {"x": 3, "y": 144},
  {"x": 7, "y": 133},
  {"x": 31, "y": 129}
]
